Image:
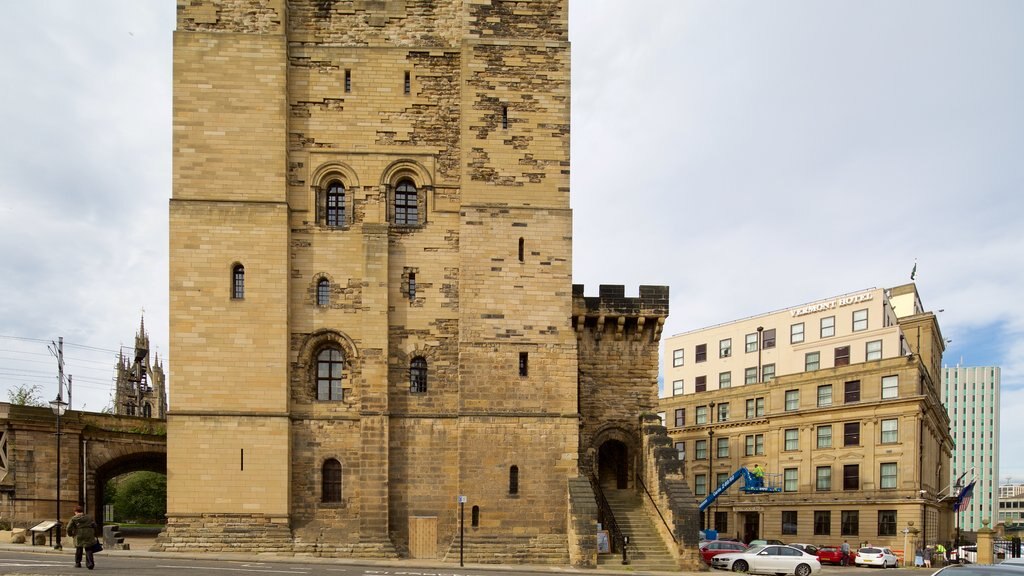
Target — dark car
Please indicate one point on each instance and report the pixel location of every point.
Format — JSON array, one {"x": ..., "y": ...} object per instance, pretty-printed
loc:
[
  {"x": 712, "y": 548},
  {"x": 830, "y": 555}
]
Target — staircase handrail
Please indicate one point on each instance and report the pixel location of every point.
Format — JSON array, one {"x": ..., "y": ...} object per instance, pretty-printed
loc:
[
  {"x": 605, "y": 515},
  {"x": 656, "y": 509}
]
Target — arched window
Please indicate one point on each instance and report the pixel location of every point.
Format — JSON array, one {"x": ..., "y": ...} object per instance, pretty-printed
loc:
[
  {"x": 330, "y": 490},
  {"x": 335, "y": 204},
  {"x": 147, "y": 410},
  {"x": 476, "y": 516},
  {"x": 329, "y": 364},
  {"x": 129, "y": 409},
  {"x": 238, "y": 282},
  {"x": 513, "y": 480},
  {"x": 323, "y": 292},
  {"x": 406, "y": 204},
  {"x": 418, "y": 375}
]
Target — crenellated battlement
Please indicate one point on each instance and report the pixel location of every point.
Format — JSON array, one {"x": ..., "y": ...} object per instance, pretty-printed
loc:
[{"x": 612, "y": 310}]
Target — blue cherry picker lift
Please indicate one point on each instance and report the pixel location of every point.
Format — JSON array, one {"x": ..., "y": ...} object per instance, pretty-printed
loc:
[{"x": 751, "y": 485}]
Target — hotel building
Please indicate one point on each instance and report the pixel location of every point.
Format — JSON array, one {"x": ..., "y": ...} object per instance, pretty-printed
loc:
[{"x": 838, "y": 399}]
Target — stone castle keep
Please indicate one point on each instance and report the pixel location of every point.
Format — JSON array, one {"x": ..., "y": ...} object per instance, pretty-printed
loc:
[{"x": 371, "y": 305}]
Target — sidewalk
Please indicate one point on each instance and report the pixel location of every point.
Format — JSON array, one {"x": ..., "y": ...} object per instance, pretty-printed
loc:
[{"x": 139, "y": 548}]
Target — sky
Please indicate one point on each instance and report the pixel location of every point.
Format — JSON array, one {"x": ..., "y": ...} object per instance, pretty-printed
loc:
[{"x": 750, "y": 155}]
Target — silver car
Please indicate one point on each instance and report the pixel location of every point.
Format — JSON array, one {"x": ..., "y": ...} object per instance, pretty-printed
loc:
[{"x": 770, "y": 559}]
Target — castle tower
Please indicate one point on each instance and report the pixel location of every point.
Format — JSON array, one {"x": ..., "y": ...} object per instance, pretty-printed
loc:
[
  {"x": 370, "y": 259},
  {"x": 139, "y": 388}
]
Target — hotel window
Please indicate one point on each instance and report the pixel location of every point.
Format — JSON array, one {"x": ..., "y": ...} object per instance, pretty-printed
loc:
[
  {"x": 890, "y": 387},
  {"x": 823, "y": 478},
  {"x": 723, "y": 448},
  {"x": 701, "y": 354},
  {"x": 851, "y": 434},
  {"x": 700, "y": 485},
  {"x": 677, "y": 358},
  {"x": 677, "y": 387},
  {"x": 842, "y": 356},
  {"x": 790, "y": 479},
  {"x": 887, "y": 475},
  {"x": 792, "y": 439},
  {"x": 681, "y": 450},
  {"x": 851, "y": 391},
  {"x": 768, "y": 373},
  {"x": 822, "y": 522},
  {"x": 873, "y": 350},
  {"x": 886, "y": 522},
  {"x": 750, "y": 408},
  {"x": 850, "y": 522},
  {"x": 725, "y": 348},
  {"x": 828, "y": 327},
  {"x": 702, "y": 414},
  {"x": 700, "y": 384},
  {"x": 723, "y": 412},
  {"x": 796, "y": 333},
  {"x": 750, "y": 375},
  {"x": 754, "y": 445},
  {"x": 789, "y": 522},
  {"x": 768, "y": 338},
  {"x": 825, "y": 436},
  {"x": 860, "y": 320},
  {"x": 751, "y": 342},
  {"x": 890, "y": 431},
  {"x": 759, "y": 406},
  {"x": 792, "y": 400},
  {"x": 680, "y": 417},
  {"x": 812, "y": 360},
  {"x": 700, "y": 449},
  {"x": 824, "y": 395},
  {"x": 851, "y": 477},
  {"x": 721, "y": 521},
  {"x": 725, "y": 379}
]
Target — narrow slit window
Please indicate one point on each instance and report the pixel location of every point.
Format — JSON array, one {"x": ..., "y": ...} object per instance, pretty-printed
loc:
[
  {"x": 323, "y": 292},
  {"x": 330, "y": 489},
  {"x": 513, "y": 480},
  {"x": 348, "y": 81},
  {"x": 522, "y": 250},
  {"x": 504, "y": 117},
  {"x": 524, "y": 363},
  {"x": 241, "y": 459},
  {"x": 408, "y": 83},
  {"x": 412, "y": 286},
  {"x": 418, "y": 375},
  {"x": 475, "y": 516},
  {"x": 238, "y": 282}
]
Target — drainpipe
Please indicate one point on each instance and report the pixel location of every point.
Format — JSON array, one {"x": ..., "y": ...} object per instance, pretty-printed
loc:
[{"x": 760, "y": 344}]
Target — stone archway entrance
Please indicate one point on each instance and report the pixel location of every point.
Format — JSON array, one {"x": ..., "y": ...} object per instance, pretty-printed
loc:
[{"x": 613, "y": 465}]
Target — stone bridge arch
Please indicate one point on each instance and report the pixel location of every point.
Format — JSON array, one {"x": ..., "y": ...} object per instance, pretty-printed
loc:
[{"x": 109, "y": 457}]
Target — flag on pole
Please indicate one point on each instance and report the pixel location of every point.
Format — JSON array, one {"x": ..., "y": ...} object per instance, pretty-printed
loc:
[
  {"x": 964, "y": 499},
  {"x": 914, "y": 271}
]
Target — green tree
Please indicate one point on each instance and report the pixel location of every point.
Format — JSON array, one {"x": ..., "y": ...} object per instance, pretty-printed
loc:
[
  {"x": 25, "y": 395},
  {"x": 141, "y": 497}
]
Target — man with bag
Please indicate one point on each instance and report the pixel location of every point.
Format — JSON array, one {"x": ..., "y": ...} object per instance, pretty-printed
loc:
[{"x": 83, "y": 528}]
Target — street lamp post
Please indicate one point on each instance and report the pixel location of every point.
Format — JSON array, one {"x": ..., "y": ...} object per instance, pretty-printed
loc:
[
  {"x": 58, "y": 406},
  {"x": 711, "y": 465}
]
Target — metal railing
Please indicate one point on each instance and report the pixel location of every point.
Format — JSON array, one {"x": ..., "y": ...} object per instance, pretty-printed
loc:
[
  {"x": 606, "y": 517},
  {"x": 658, "y": 510}
]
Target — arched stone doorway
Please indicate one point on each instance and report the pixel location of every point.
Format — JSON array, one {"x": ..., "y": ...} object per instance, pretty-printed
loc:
[{"x": 613, "y": 465}]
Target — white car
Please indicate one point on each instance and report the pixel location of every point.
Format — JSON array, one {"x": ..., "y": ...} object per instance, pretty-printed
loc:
[
  {"x": 878, "y": 557},
  {"x": 769, "y": 559}
]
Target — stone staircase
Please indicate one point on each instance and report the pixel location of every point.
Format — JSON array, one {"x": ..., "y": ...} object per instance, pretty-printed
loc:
[
  {"x": 483, "y": 549},
  {"x": 647, "y": 550}
]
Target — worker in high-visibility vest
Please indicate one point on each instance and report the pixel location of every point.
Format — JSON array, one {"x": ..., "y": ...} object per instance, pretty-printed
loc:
[{"x": 758, "y": 475}]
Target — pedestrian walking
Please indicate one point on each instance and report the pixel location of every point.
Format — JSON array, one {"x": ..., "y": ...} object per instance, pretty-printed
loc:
[
  {"x": 83, "y": 528},
  {"x": 846, "y": 553}
]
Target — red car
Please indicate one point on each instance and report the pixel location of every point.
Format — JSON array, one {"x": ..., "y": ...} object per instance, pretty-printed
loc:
[
  {"x": 710, "y": 549},
  {"x": 830, "y": 555}
]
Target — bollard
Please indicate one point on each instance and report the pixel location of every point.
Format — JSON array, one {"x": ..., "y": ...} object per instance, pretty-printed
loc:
[{"x": 625, "y": 545}]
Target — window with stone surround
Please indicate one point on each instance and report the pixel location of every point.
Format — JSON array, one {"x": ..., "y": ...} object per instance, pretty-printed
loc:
[
  {"x": 335, "y": 204},
  {"x": 330, "y": 479},
  {"x": 418, "y": 375},
  {"x": 329, "y": 371},
  {"x": 524, "y": 364},
  {"x": 406, "y": 203},
  {"x": 323, "y": 292}
]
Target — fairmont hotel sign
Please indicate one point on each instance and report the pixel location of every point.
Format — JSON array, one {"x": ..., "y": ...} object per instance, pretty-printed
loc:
[{"x": 832, "y": 304}]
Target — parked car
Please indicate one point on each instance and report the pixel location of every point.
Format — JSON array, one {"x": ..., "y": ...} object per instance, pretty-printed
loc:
[
  {"x": 770, "y": 559},
  {"x": 766, "y": 543},
  {"x": 809, "y": 548},
  {"x": 830, "y": 555},
  {"x": 878, "y": 557},
  {"x": 712, "y": 548}
]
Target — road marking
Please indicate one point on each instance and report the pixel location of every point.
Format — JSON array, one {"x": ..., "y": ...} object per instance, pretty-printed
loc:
[{"x": 243, "y": 569}]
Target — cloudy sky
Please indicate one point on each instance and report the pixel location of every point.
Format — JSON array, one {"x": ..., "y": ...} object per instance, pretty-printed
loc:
[{"x": 751, "y": 155}]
